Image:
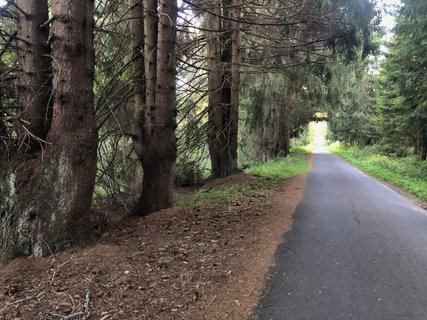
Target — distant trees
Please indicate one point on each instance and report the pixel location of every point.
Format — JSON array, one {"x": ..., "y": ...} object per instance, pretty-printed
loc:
[
  {"x": 387, "y": 108},
  {"x": 289, "y": 52},
  {"x": 351, "y": 94}
]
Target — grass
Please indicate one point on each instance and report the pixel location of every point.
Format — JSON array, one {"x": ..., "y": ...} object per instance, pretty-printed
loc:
[
  {"x": 282, "y": 168},
  {"x": 273, "y": 173},
  {"x": 218, "y": 195},
  {"x": 407, "y": 172}
]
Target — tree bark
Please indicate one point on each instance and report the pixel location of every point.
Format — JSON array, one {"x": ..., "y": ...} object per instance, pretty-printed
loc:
[
  {"x": 223, "y": 50},
  {"x": 43, "y": 201},
  {"x": 34, "y": 74},
  {"x": 139, "y": 90},
  {"x": 158, "y": 144}
]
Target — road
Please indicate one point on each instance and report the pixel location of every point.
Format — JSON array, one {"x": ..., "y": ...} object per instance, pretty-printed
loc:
[{"x": 357, "y": 250}]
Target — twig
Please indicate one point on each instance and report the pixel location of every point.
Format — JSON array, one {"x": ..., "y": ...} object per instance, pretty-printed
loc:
[
  {"x": 16, "y": 302},
  {"x": 70, "y": 316},
  {"x": 47, "y": 22},
  {"x": 87, "y": 303}
]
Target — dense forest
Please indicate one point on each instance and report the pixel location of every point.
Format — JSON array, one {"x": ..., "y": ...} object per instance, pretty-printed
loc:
[{"x": 123, "y": 99}]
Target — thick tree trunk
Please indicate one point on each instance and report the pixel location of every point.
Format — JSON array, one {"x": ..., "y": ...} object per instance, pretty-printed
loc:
[
  {"x": 139, "y": 90},
  {"x": 224, "y": 64},
  {"x": 138, "y": 65},
  {"x": 150, "y": 57},
  {"x": 72, "y": 157},
  {"x": 215, "y": 112},
  {"x": 43, "y": 201},
  {"x": 34, "y": 72},
  {"x": 158, "y": 145}
]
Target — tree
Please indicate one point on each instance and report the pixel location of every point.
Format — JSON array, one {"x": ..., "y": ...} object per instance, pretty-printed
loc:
[
  {"x": 403, "y": 94},
  {"x": 44, "y": 199},
  {"x": 34, "y": 72},
  {"x": 223, "y": 55},
  {"x": 155, "y": 140},
  {"x": 351, "y": 96}
]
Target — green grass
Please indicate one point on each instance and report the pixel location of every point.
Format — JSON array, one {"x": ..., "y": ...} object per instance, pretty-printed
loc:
[
  {"x": 283, "y": 168},
  {"x": 218, "y": 195},
  {"x": 273, "y": 173},
  {"x": 407, "y": 172}
]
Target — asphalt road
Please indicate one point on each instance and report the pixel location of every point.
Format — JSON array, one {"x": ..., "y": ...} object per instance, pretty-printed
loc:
[{"x": 357, "y": 250}]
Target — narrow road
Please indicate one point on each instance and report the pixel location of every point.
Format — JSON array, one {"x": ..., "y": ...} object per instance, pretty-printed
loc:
[{"x": 357, "y": 250}]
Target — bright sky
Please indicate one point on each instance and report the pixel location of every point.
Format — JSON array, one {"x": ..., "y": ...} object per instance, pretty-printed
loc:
[{"x": 387, "y": 19}]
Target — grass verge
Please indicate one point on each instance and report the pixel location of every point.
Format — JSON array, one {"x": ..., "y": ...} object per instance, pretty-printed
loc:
[
  {"x": 407, "y": 172},
  {"x": 271, "y": 173},
  {"x": 282, "y": 168}
]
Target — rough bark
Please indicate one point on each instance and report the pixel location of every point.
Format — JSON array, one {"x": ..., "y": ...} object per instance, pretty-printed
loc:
[
  {"x": 215, "y": 112},
  {"x": 150, "y": 56},
  {"x": 34, "y": 72},
  {"x": 139, "y": 89},
  {"x": 223, "y": 50},
  {"x": 158, "y": 144},
  {"x": 73, "y": 131},
  {"x": 44, "y": 200}
]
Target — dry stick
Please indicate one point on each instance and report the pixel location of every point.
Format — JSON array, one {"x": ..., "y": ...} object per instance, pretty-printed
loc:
[
  {"x": 73, "y": 315},
  {"x": 16, "y": 302},
  {"x": 87, "y": 303}
]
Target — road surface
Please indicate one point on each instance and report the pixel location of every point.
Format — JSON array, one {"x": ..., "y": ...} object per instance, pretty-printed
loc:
[{"x": 357, "y": 250}]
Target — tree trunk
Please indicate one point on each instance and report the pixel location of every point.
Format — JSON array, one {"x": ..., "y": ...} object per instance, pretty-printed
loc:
[
  {"x": 423, "y": 143},
  {"x": 158, "y": 148},
  {"x": 224, "y": 66},
  {"x": 34, "y": 72},
  {"x": 4, "y": 135},
  {"x": 215, "y": 112},
  {"x": 139, "y": 90},
  {"x": 138, "y": 65},
  {"x": 44, "y": 200}
]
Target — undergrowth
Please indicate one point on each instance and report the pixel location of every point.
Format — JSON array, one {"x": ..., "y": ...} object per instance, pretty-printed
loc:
[
  {"x": 405, "y": 172},
  {"x": 272, "y": 174}
]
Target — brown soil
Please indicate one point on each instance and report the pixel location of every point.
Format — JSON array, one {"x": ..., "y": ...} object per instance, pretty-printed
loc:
[{"x": 180, "y": 263}]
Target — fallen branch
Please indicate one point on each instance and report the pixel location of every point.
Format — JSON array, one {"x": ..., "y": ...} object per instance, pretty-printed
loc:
[
  {"x": 70, "y": 316},
  {"x": 16, "y": 302},
  {"x": 87, "y": 303}
]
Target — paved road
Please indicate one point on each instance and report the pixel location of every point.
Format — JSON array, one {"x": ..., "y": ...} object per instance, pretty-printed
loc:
[{"x": 357, "y": 250}]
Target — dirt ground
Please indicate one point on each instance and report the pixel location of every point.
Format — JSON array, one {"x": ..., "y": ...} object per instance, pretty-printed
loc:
[{"x": 188, "y": 263}]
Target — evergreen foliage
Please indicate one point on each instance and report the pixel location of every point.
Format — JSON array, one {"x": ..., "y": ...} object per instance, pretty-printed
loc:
[{"x": 402, "y": 104}]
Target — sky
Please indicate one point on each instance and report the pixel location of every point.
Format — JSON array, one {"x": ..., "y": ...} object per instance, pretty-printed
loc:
[{"x": 387, "y": 19}]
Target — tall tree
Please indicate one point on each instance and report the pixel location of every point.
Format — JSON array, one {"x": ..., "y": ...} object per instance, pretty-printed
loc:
[
  {"x": 34, "y": 71},
  {"x": 43, "y": 200},
  {"x": 155, "y": 140},
  {"x": 403, "y": 98},
  {"x": 223, "y": 55}
]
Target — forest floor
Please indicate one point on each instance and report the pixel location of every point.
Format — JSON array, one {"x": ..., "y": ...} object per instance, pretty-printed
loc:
[{"x": 188, "y": 262}]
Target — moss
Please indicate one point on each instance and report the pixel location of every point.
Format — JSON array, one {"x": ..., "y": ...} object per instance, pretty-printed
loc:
[{"x": 8, "y": 191}]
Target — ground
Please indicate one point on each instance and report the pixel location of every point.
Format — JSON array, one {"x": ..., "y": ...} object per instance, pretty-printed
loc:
[{"x": 204, "y": 262}]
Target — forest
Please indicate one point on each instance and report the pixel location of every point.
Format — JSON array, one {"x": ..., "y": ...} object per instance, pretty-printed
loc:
[{"x": 123, "y": 100}]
